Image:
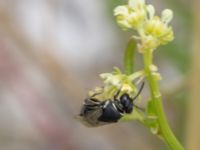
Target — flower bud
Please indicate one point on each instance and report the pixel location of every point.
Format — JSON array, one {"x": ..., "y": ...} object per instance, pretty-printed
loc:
[
  {"x": 136, "y": 3},
  {"x": 151, "y": 11},
  {"x": 166, "y": 16}
]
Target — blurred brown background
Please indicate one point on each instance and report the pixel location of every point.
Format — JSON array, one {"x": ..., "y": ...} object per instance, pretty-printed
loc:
[{"x": 51, "y": 54}]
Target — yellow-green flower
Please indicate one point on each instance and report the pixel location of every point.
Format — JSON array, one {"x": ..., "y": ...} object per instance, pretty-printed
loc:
[
  {"x": 117, "y": 81},
  {"x": 152, "y": 30},
  {"x": 122, "y": 14},
  {"x": 131, "y": 15},
  {"x": 159, "y": 30}
]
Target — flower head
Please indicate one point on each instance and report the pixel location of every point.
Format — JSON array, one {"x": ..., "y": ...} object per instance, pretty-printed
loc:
[
  {"x": 117, "y": 81},
  {"x": 152, "y": 30},
  {"x": 158, "y": 27},
  {"x": 131, "y": 15}
]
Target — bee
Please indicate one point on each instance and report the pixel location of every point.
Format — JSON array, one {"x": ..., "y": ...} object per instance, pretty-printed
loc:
[{"x": 96, "y": 112}]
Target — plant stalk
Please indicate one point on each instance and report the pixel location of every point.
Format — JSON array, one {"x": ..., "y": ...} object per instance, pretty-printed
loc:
[{"x": 156, "y": 97}]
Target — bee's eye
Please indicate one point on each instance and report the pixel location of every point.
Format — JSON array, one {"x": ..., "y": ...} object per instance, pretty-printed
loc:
[
  {"x": 127, "y": 103},
  {"x": 125, "y": 100}
]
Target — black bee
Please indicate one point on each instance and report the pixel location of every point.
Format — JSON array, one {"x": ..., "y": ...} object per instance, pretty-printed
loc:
[{"x": 95, "y": 112}]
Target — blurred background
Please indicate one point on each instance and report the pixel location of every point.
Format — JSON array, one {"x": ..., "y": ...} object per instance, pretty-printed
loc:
[{"x": 51, "y": 54}]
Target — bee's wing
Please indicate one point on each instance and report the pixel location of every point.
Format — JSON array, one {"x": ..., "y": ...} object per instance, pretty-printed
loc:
[
  {"x": 94, "y": 109},
  {"x": 91, "y": 118},
  {"x": 94, "y": 114}
]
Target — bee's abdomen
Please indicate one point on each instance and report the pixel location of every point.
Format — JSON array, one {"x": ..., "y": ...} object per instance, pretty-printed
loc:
[{"x": 110, "y": 113}]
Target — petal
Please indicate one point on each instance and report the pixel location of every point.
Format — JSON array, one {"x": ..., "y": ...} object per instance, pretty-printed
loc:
[
  {"x": 124, "y": 24},
  {"x": 134, "y": 3},
  {"x": 167, "y": 16},
  {"x": 151, "y": 11},
  {"x": 121, "y": 10}
]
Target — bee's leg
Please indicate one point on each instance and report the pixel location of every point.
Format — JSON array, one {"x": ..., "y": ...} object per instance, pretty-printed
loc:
[
  {"x": 95, "y": 100},
  {"x": 95, "y": 94},
  {"x": 92, "y": 101}
]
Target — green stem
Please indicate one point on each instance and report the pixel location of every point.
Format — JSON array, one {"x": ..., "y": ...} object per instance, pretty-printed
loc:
[
  {"x": 129, "y": 57},
  {"x": 156, "y": 97}
]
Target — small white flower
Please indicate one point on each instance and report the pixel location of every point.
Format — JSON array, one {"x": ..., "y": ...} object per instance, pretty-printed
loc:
[
  {"x": 151, "y": 11},
  {"x": 121, "y": 10},
  {"x": 166, "y": 16},
  {"x": 117, "y": 80},
  {"x": 157, "y": 75},
  {"x": 159, "y": 30},
  {"x": 136, "y": 19},
  {"x": 131, "y": 15},
  {"x": 153, "y": 68},
  {"x": 109, "y": 79},
  {"x": 152, "y": 30},
  {"x": 148, "y": 42},
  {"x": 124, "y": 24},
  {"x": 122, "y": 14},
  {"x": 135, "y": 3}
]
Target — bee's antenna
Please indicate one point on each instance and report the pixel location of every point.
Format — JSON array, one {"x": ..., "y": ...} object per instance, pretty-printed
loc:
[{"x": 140, "y": 90}]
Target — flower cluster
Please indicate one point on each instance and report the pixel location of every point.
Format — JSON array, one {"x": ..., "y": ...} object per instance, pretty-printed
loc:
[
  {"x": 152, "y": 30},
  {"x": 117, "y": 80}
]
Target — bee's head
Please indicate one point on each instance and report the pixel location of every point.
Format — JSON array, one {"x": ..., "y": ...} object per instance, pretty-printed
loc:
[{"x": 127, "y": 103}]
